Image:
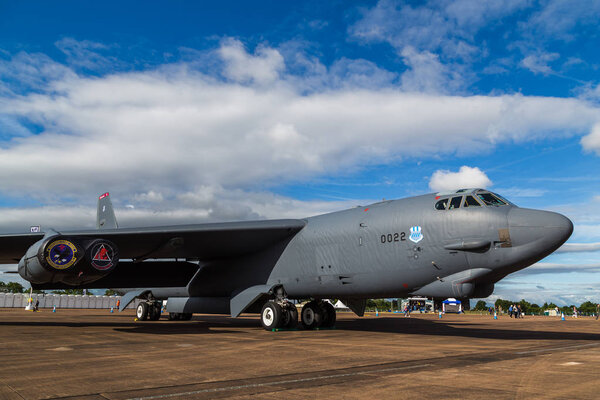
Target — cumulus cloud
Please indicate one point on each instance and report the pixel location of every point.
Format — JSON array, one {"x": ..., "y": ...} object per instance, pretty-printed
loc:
[
  {"x": 151, "y": 135},
  {"x": 466, "y": 177},
  {"x": 262, "y": 67},
  {"x": 177, "y": 128}
]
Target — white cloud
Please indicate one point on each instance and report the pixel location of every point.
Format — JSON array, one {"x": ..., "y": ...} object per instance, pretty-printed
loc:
[
  {"x": 466, "y": 177},
  {"x": 565, "y": 293},
  {"x": 263, "y": 67},
  {"x": 85, "y": 54},
  {"x": 426, "y": 74},
  {"x": 172, "y": 130},
  {"x": 538, "y": 63},
  {"x": 149, "y": 197},
  {"x": 559, "y": 268},
  {"x": 591, "y": 142},
  {"x": 206, "y": 204},
  {"x": 556, "y": 19},
  {"x": 447, "y": 26},
  {"x": 578, "y": 247}
]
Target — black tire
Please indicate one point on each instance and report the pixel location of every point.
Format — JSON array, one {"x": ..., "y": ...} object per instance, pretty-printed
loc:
[
  {"x": 173, "y": 316},
  {"x": 312, "y": 315},
  {"x": 141, "y": 312},
  {"x": 292, "y": 312},
  {"x": 270, "y": 315},
  {"x": 154, "y": 312},
  {"x": 329, "y": 315}
]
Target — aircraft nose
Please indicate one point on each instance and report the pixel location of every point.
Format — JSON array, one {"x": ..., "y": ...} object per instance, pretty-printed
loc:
[{"x": 550, "y": 228}]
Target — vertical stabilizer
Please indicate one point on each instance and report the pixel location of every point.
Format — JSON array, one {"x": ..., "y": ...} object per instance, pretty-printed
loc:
[{"x": 106, "y": 215}]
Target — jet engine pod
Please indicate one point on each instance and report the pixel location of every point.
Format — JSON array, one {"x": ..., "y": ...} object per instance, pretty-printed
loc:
[
  {"x": 59, "y": 253},
  {"x": 72, "y": 261},
  {"x": 102, "y": 255}
]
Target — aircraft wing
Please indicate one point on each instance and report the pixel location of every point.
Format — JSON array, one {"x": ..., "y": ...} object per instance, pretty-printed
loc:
[
  {"x": 202, "y": 241},
  {"x": 14, "y": 246}
]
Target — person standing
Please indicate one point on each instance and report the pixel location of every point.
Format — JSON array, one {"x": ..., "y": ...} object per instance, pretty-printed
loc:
[{"x": 597, "y": 310}]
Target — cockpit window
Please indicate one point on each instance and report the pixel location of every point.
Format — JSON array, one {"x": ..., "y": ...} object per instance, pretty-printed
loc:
[
  {"x": 501, "y": 198},
  {"x": 471, "y": 202},
  {"x": 490, "y": 200},
  {"x": 441, "y": 205},
  {"x": 455, "y": 202}
]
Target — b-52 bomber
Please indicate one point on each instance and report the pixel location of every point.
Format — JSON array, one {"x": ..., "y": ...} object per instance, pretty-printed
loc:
[{"x": 455, "y": 244}]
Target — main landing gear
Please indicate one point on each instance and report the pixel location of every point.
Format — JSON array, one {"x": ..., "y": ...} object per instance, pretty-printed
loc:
[
  {"x": 279, "y": 314},
  {"x": 284, "y": 315},
  {"x": 148, "y": 310},
  {"x": 318, "y": 314}
]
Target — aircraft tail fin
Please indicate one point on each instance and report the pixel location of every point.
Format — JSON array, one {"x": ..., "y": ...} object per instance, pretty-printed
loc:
[{"x": 106, "y": 215}]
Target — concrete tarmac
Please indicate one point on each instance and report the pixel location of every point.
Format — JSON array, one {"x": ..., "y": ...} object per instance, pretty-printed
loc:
[{"x": 93, "y": 354}]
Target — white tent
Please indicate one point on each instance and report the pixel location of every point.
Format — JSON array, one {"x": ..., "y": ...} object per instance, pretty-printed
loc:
[{"x": 339, "y": 306}]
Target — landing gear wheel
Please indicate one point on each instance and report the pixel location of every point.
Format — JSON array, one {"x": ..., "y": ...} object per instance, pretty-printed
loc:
[
  {"x": 328, "y": 315},
  {"x": 270, "y": 316},
  {"x": 312, "y": 315},
  {"x": 141, "y": 312},
  {"x": 154, "y": 311},
  {"x": 176, "y": 316},
  {"x": 186, "y": 316},
  {"x": 292, "y": 312}
]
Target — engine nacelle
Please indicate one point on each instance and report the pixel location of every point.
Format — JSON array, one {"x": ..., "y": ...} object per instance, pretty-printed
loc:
[{"x": 58, "y": 258}]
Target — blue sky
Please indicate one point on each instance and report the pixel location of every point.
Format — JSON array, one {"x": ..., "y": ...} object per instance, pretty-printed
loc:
[{"x": 281, "y": 109}]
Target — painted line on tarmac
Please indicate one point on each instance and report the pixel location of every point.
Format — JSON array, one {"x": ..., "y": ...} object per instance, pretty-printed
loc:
[
  {"x": 285, "y": 382},
  {"x": 556, "y": 349}
]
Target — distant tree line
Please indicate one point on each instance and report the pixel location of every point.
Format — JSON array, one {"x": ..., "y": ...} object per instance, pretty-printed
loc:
[
  {"x": 586, "y": 308},
  {"x": 381, "y": 304},
  {"x": 11, "y": 287}
]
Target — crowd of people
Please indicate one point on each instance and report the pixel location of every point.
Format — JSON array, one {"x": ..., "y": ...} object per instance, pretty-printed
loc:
[{"x": 515, "y": 310}]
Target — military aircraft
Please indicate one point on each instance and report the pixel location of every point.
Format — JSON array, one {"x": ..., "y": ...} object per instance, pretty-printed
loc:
[{"x": 454, "y": 244}]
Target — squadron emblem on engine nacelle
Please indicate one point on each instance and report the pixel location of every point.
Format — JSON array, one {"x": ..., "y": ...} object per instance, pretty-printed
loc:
[
  {"x": 103, "y": 255},
  {"x": 61, "y": 254}
]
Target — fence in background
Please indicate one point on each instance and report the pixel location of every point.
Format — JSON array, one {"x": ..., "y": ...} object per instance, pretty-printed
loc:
[{"x": 19, "y": 300}]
